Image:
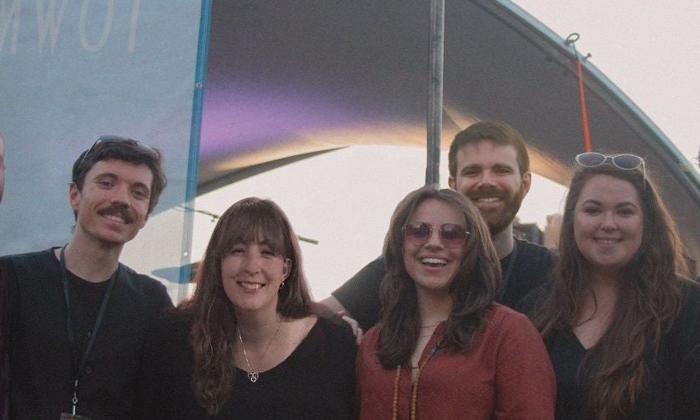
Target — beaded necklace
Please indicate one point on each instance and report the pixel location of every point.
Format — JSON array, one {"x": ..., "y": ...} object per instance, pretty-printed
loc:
[{"x": 414, "y": 387}]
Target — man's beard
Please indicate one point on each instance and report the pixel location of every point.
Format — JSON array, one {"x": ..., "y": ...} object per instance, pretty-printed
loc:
[{"x": 498, "y": 220}]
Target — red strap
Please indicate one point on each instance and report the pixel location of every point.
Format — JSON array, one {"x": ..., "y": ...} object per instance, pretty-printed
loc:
[
  {"x": 571, "y": 40},
  {"x": 584, "y": 110}
]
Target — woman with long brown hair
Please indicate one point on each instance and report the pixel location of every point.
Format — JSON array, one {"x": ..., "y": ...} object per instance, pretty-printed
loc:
[
  {"x": 247, "y": 345},
  {"x": 621, "y": 322},
  {"x": 443, "y": 349}
]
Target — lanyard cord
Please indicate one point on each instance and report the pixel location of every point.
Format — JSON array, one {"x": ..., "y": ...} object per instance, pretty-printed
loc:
[
  {"x": 571, "y": 40},
  {"x": 78, "y": 370}
]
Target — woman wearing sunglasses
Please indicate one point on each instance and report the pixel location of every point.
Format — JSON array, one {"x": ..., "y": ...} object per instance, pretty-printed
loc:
[
  {"x": 246, "y": 345},
  {"x": 622, "y": 326},
  {"x": 443, "y": 349}
]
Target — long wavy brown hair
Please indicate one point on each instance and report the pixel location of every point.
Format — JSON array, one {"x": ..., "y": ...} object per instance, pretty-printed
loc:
[
  {"x": 213, "y": 334},
  {"x": 473, "y": 288},
  {"x": 614, "y": 371}
]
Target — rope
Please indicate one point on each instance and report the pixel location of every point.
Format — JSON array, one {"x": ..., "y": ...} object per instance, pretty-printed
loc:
[{"x": 571, "y": 40}]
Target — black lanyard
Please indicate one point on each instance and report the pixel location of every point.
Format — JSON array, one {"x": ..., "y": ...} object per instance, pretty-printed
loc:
[
  {"x": 509, "y": 270},
  {"x": 78, "y": 370}
]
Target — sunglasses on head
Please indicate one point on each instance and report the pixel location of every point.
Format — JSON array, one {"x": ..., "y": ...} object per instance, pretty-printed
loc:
[
  {"x": 110, "y": 139},
  {"x": 451, "y": 235},
  {"x": 624, "y": 161}
]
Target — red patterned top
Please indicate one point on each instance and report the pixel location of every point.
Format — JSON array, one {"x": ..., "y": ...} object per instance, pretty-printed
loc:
[{"x": 506, "y": 374}]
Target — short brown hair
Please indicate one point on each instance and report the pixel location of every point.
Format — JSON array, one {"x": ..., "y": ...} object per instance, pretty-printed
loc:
[
  {"x": 127, "y": 150},
  {"x": 499, "y": 133}
]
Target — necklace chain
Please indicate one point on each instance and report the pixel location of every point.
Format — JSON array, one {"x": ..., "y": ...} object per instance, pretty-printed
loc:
[
  {"x": 414, "y": 387},
  {"x": 253, "y": 374}
]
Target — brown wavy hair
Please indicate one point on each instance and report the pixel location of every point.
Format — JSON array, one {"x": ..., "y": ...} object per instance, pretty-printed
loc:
[
  {"x": 614, "y": 371},
  {"x": 214, "y": 327},
  {"x": 473, "y": 288}
]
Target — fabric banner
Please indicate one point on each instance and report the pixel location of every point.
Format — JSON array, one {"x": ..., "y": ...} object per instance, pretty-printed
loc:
[{"x": 72, "y": 70}]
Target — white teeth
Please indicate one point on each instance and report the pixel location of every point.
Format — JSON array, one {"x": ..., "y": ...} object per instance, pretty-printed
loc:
[
  {"x": 488, "y": 199},
  {"x": 434, "y": 261},
  {"x": 115, "y": 218},
  {"x": 249, "y": 285}
]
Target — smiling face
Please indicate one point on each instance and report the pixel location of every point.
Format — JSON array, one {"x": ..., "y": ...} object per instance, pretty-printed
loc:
[
  {"x": 433, "y": 265},
  {"x": 113, "y": 204},
  {"x": 608, "y": 223},
  {"x": 252, "y": 274},
  {"x": 488, "y": 174}
]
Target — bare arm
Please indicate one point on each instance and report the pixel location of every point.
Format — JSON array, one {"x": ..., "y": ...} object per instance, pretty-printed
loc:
[{"x": 331, "y": 306}]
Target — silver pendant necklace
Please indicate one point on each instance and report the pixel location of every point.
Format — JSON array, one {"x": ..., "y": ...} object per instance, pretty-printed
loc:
[{"x": 253, "y": 374}]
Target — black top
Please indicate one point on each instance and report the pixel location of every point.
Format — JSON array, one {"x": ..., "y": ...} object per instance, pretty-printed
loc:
[
  {"x": 41, "y": 369},
  {"x": 4, "y": 366},
  {"x": 673, "y": 391},
  {"x": 317, "y": 381},
  {"x": 360, "y": 294}
]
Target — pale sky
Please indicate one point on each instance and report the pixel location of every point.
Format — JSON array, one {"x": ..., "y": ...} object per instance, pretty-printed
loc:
[{"x": 649, "y": 49}]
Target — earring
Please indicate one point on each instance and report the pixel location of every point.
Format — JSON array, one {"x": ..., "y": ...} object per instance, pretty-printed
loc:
[{"x": 282, "y": 285}]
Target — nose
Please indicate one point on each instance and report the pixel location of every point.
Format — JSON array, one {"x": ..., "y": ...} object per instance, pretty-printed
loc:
[
  {"x": 608, "y": 223},
  {"x": 486, "y": 179},
  {"x": 252, "y": 264},
  {"x": 120, "y": 195},
  {"x": 434, "y": 240}
]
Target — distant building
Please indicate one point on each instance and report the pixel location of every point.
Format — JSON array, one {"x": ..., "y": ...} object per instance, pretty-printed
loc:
[
  {"x": 552, "y": 230},
  {"x": 527, "y": 231}
]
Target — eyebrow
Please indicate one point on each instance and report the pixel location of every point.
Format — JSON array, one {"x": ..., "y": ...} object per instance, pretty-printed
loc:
[
  {"x": 472, "y": 166},
  {"x": 495, "y": 165},
  {"x": 596, "y": 202}
]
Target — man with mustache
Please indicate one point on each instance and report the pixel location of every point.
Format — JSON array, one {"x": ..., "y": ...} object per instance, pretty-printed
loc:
[
  {"x": 489, "y": 164},
  {"x": 77, "y": 316}
]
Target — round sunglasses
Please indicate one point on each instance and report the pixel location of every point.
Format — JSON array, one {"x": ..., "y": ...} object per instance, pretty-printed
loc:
[
  {"x": 451, "y": 235},
  {"x": 624, "y": 161}
]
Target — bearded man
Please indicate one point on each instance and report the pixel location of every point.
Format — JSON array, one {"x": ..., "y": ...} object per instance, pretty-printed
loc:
[{"x": 489, "y": 164}]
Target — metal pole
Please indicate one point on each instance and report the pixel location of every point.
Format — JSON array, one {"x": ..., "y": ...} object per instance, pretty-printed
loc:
[{"x": 435, "y": 76}]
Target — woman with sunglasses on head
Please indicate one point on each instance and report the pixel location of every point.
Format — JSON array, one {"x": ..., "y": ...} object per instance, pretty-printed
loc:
[
  {"x": 621, "y": 323},
  {"x": 246, "y": 345},
  {"x": 443, "y": 349}
]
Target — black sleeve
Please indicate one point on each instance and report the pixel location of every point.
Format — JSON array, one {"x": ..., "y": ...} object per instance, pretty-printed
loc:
[
  {"x": 4, "y": 330},
  {"x": 343, "y": 352},
  {"x": 4, "y": 317},
  {"x": 9, "y": 296},
  {"x": 162, "y": 298},
  {"x": 160, "y": 310},
  {"x": 166, "y": 353},
  {"x": 686, "y": 349},
  {"x": 360, "y": 294}
]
